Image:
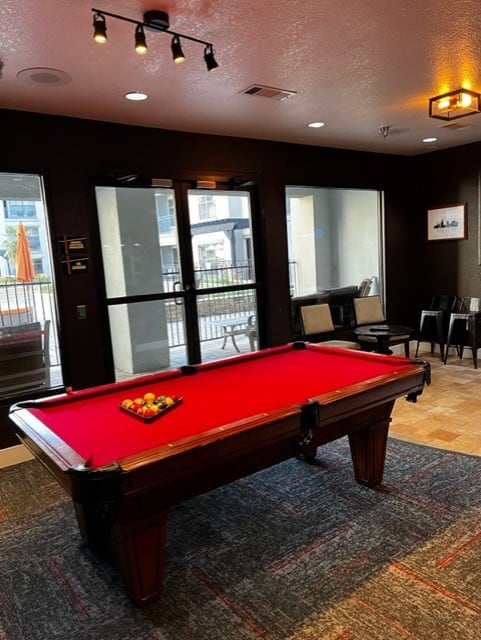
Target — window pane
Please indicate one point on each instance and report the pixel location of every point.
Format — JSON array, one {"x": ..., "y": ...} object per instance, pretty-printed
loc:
[
  {"x": 29, "y": 354},
  {"x": 147, "y": 337},
  {"x": 139, "y": 240},
  {"x": 227, "y": 324},
  {"x": 335, "y": 249},
  {"x": 334, "y": 238},
  {"x": 221, "y": 238},
  {"x": 141, "y": 256}
]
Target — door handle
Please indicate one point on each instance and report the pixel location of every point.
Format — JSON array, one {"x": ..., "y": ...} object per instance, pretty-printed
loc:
[
  {"x": 177, "y": 286},
  {"x": 188, "y": 288}
]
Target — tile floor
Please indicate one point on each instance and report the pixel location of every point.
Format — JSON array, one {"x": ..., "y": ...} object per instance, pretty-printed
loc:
[{"x": 448, "y": 413}]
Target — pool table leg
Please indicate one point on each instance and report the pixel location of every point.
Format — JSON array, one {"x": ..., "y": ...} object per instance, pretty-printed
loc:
[
  {"x": 139, "y": 547},
  {"x": 94, "y": 530},
  {"x": 367, "y": 432},
  {"x": 140, "y": 551},
  {"x": 368, "y": 452}
]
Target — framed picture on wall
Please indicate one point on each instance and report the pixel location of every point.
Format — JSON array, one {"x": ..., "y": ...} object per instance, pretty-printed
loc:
[{"x": 448, "y": 223}]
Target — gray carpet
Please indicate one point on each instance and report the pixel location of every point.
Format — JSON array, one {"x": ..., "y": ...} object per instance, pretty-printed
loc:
[{"x": 295, "y": 552}]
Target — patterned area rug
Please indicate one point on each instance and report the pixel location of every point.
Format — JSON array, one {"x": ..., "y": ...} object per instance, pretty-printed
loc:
[{"x": 295, "y": 552}]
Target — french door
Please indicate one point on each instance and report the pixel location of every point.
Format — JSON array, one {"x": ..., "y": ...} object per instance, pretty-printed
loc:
[{"x": 180, "y": 275}]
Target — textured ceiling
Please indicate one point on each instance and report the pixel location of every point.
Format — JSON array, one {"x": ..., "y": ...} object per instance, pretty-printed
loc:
[{"x": 357, "y": 65}]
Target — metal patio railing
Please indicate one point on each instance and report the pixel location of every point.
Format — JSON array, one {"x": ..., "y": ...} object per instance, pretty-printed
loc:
[
  {"x": 24, "y": 302},
  {"x": 34, "y": 301}
]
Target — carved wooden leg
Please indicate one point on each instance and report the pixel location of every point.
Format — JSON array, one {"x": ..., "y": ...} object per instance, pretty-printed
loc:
[
  {"x": 368, "y": 452},
  {"x": 140, "y": 549}
]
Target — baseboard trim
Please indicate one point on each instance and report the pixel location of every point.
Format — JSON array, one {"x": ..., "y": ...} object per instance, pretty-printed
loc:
[{"x": 14, "y": 455}]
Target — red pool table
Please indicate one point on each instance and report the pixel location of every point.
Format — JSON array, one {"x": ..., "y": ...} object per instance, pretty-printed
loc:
[{"x": 237, "y": 416}]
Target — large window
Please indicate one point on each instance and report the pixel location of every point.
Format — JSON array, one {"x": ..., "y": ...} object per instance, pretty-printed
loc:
[
  {"x": 335, "y": 249},
  {"x": 335, "y": 239},
  {"x": 29, "y": 354}
]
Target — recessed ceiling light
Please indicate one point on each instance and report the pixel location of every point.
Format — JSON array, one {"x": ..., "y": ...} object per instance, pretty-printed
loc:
[
  {"x": 316, "y": 125},
  {"x": 430, "y": 139},
  {"x": 136, "y": 95}
]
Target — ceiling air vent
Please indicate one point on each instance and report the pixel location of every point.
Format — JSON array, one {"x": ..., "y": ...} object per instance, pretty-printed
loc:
[
  {"x": 268, "y": 92},
  {"x": 455, "y": 126}
]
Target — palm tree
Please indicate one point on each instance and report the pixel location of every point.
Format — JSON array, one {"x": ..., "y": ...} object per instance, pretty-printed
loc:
[{"x": 10, "y": 246}]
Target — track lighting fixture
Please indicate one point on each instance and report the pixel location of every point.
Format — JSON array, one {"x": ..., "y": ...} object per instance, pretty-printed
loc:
[
  {"x": 152, "y": 21},
  {"x": 177, "y": 52},
  {"x": 209, "y": 58},
  {"x": 140, "y": 43},
  {"x": 100, "y": 28}
]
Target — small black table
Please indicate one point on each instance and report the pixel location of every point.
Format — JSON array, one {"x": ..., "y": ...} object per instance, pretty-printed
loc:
[{"x": 383, "y": 334}]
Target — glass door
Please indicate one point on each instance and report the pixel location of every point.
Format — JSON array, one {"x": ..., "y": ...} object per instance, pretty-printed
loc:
[
  {"x": 224, "y": 271},
  {"x": 179, "y": 274}
]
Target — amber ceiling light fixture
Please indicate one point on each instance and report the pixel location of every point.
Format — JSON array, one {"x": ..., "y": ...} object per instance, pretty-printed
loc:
[
  {"x": 152, "y": 21},
  {"x": 455, "y": 104}
]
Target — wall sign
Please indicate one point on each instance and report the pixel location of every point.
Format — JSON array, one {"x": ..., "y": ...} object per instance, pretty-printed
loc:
[{"x": 74, "y": 254}]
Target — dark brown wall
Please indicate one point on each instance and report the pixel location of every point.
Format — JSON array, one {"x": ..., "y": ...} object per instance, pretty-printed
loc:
[
  {"x": 70, "y": 153},
  {"x": 451, "y": 177}
]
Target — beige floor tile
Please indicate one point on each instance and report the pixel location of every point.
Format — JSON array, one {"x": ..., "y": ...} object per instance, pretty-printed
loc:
[{"x": 448, "y": 414}]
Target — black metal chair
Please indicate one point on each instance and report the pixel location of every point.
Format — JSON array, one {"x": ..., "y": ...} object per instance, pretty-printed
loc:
[
  {"x": 465, "y": 329},
  {"x": 433, "y": 325}
]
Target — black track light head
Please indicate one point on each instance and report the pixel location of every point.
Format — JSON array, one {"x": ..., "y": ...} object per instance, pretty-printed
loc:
[
  {"x": 177, "y": 52},
  {"x": 210, "y": 61},
  {"x": 140, "y": 42},
  {"x": 100, "y": 28}
]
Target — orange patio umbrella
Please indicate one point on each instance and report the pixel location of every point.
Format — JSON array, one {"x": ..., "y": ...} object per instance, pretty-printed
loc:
[{"x": 24, "y": 262}]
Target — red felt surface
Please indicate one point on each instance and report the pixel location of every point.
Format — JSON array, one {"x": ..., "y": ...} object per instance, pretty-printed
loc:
[{"x": 93, "y": 425}]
